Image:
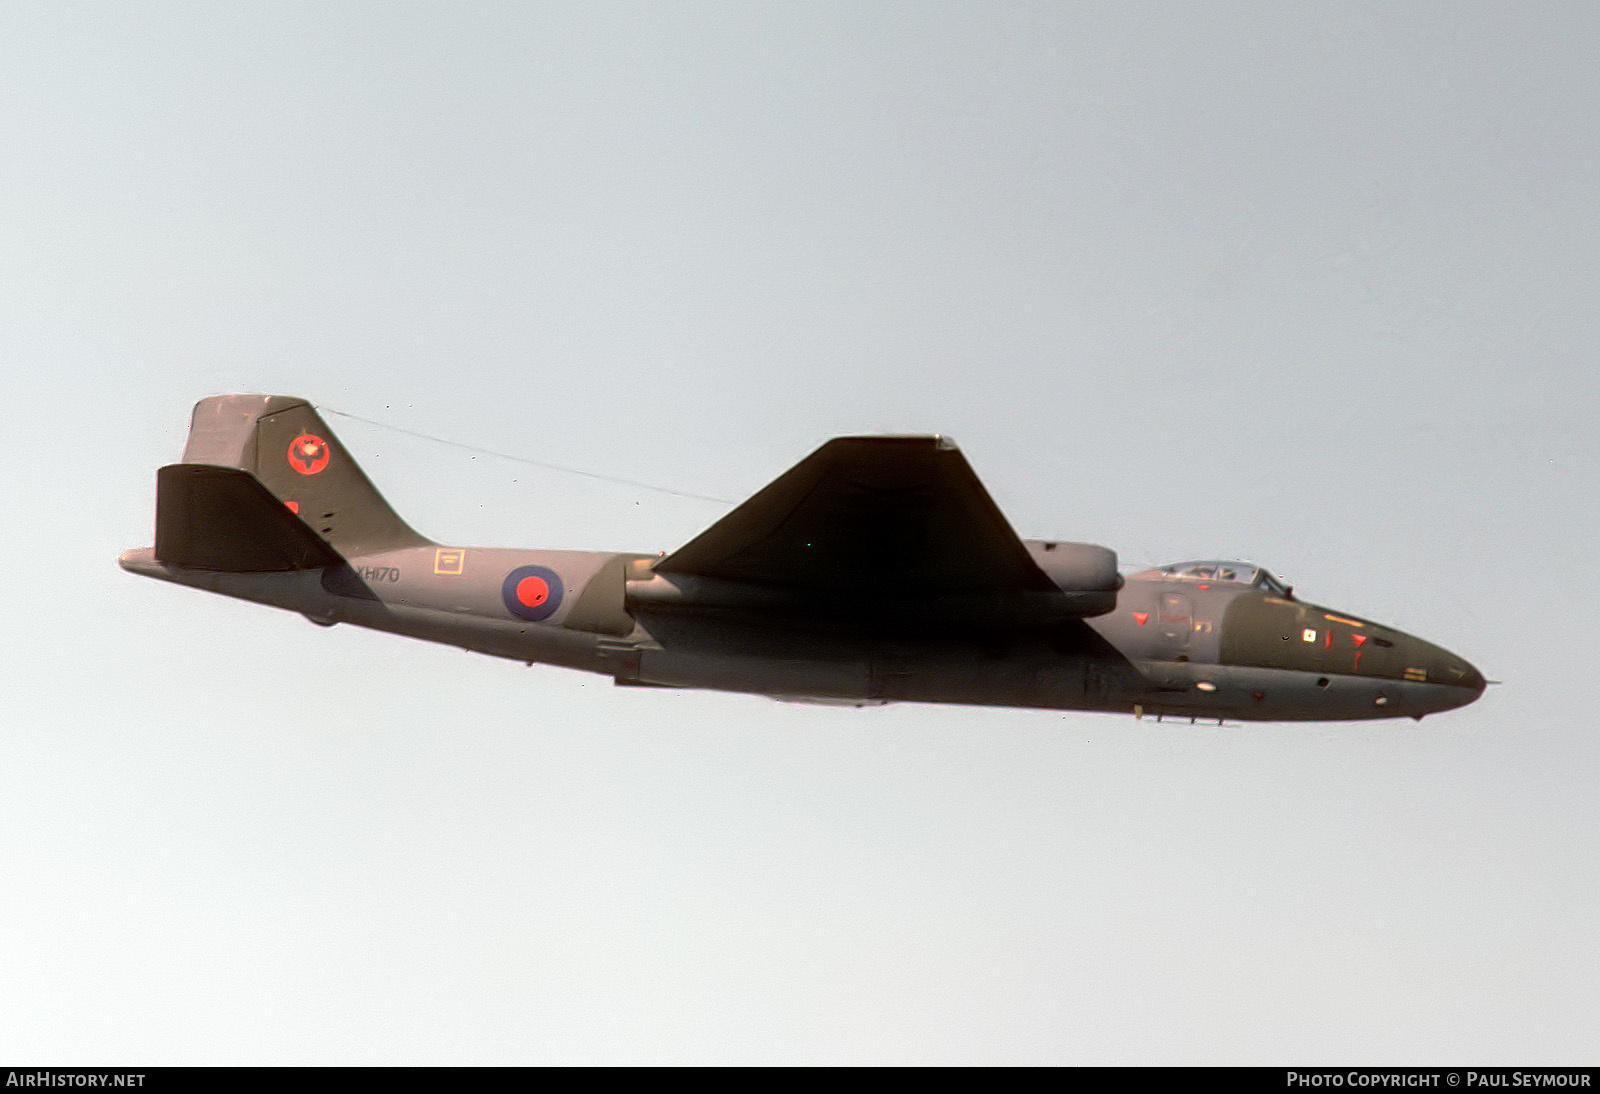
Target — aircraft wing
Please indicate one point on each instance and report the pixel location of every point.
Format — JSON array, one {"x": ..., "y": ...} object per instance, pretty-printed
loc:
[{"x": 873, "y": 518}]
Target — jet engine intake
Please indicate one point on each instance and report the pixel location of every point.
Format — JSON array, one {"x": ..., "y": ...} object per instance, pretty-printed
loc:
[{"x": 1077, "y": 568}]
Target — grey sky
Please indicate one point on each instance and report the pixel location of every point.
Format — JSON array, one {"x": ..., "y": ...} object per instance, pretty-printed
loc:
[{"x": 1312, "y": 285}]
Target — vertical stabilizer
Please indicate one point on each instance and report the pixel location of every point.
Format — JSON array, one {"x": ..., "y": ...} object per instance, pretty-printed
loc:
[{"x": 287, "y": 446}]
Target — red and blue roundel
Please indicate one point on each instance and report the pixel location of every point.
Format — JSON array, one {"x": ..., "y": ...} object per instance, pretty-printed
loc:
[{"x": 532, "y": 592}]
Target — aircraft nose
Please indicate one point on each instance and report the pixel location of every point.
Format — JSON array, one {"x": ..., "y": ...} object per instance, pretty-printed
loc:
[
  {"x": 1448, "y": 668},
  {"x": 1465, "y": 684},
  {"x": 1473, "y": 680},
  {"x": 1449, "y": 680}
]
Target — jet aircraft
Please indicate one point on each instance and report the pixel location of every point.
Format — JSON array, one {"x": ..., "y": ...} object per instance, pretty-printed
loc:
[{"x": 877, "y": 569}]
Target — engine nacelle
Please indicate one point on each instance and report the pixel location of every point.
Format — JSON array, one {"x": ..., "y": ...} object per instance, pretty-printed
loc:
[{"x": 1086, "y": 572}]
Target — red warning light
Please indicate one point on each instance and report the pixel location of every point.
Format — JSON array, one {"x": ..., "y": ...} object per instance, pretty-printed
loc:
[
  {"x": 1140, "y": 617},
  {"x": 1359, "y": 639},
  {"x": 308, "y": 454}
]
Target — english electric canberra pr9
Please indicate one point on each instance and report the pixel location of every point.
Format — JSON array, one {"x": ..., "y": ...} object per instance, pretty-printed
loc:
[{"x": 875, "y": 570}]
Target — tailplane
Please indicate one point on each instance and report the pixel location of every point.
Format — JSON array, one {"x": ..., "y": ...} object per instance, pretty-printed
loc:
[{"x": 223, "y": 519}]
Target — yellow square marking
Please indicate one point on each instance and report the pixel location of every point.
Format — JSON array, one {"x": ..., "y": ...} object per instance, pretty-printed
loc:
[{"x": 448, "y": 561}]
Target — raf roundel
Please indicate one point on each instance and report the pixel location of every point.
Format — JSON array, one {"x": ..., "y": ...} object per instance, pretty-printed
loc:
[
  {"x": 308, "y": 454},
  {"x": 532, "y": 592}
]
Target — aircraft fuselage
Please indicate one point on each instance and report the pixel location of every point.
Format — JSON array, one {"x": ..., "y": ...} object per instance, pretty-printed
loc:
[
  {"x": 877, "y": 569},
  {"x": 1171, "y": 646}
]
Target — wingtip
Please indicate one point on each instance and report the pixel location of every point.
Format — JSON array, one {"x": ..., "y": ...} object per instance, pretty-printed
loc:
[{"x": 941, "y": 441}]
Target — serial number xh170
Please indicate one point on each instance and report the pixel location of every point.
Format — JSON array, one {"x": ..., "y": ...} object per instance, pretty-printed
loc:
[{"x": 877, "y": 569}]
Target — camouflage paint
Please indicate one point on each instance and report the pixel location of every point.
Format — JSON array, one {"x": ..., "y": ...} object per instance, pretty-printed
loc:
[{"x": 876, "y": 570}]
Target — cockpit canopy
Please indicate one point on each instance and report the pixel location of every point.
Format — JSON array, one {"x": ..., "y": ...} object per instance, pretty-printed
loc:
[{"x": 1217, "y": 570}]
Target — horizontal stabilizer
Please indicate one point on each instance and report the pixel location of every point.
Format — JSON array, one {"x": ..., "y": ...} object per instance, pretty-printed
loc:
[{"x": 224, "y": 519}]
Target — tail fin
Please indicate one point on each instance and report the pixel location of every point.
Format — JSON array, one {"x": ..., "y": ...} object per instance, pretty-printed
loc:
[{"x": 289, "y": 449}]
